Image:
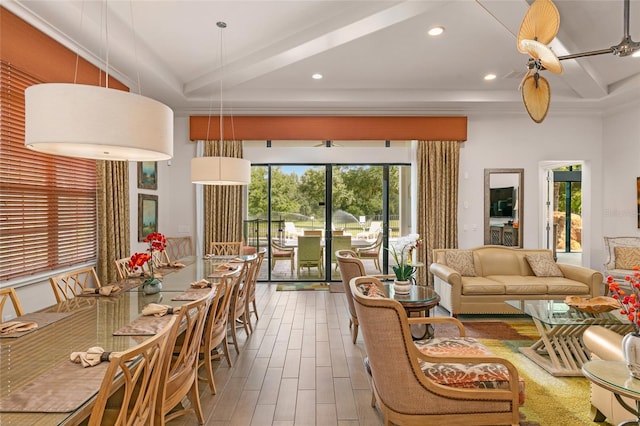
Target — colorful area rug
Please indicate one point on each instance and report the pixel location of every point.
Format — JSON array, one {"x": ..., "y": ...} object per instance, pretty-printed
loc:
[
  {"x": 549, "y": 400},
  {"x": 302, "y": 287}
]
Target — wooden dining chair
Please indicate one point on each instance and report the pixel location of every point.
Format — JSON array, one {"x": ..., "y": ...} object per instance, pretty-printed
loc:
[
  {"x": 179, "y": 378},
  {"x": 214, "y": 338},
  {"x": 179, "y": 247},
  {"x": 250, "y": 301},
  {"x": 9, "y": 294},
  {"x": 128, "y": 393},
  {"x": 237, "y": 311},
  {"x": 225, "y": 248},
  {"x": 69, "y": 284}
]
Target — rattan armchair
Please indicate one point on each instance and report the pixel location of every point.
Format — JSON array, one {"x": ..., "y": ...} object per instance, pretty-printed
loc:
[{"x": 404, "y": 392}]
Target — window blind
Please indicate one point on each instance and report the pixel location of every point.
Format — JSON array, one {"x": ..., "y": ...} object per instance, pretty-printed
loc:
[{"x": 47, "y": 203}]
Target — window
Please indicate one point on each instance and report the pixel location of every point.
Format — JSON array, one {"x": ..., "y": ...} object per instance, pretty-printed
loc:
[{"x": 47, "y": 203}]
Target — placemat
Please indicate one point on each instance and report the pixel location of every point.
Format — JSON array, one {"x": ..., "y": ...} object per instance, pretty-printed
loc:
[
  {"x": 43, "y": 319},
  {"x": 192, "y": 294},
  {"x": 61, "y": 390},
  {"x": 143, "y": 326}
]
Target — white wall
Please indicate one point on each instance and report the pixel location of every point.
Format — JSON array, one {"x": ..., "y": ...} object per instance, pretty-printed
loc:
[{"x": 515, "y": 141}]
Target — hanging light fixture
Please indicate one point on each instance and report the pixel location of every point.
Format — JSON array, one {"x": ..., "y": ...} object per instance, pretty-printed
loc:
[
  {"x": 220, "y": 170},
  {"x": 77, "y": 120}
]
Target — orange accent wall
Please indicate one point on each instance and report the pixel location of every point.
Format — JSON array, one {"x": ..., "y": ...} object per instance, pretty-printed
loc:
[
  {"x": 328, "y": 128},
  {"x": 29, "y": 49}
]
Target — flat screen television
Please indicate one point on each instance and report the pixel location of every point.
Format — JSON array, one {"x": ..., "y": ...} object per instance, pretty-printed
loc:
[{"x": 501, "y": 201}]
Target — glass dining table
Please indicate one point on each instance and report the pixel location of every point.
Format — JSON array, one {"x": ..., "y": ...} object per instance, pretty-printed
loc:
[{"x": 38, "y": 382}]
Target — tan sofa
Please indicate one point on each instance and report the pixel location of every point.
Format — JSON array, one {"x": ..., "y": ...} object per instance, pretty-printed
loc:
[
  {"x": 505, "y": 274},
  {"x": 603, "y": 343}
]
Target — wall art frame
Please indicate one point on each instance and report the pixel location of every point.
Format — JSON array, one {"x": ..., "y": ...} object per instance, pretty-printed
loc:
[
  {"x": 147, "y": 215},
  {"x": 148, "y": 174}
]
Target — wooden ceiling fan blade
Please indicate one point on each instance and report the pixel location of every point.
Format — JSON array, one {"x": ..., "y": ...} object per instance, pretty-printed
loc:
[
  {"x": 536, "y": 95},
  {"x": 541, "y": 23},
  {"x": 537, "y": 50}
]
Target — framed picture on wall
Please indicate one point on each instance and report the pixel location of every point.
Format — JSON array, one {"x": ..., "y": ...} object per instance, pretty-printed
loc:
[
  {"x": 148, "y": 174},
  {"x": 147, "y": 215}
]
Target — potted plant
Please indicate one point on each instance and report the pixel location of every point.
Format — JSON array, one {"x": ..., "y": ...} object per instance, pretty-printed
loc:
[
  {"x": 403, "y": 269},
  {"x": 157, "y": 243}
]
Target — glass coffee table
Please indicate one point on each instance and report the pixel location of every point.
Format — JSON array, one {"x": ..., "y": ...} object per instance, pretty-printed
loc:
[
  {"x": 560, "y": 350},
  {"x": 614, "y": 376}
]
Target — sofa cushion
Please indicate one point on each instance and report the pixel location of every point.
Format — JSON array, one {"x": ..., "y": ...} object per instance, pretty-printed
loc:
[
  {"x": 543, "y": 265},
  {"x": 481, "y": 285},
  {"x": 461, "y": 261},
  {"x": 518, "y": 284},
  {"x": 557, "y": 285},
  {"x": 627, "y": 257}
]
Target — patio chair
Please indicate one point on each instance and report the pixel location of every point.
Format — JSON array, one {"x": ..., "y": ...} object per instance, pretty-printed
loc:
[
  {"x": 309, "y": 253},
  {"x": 375, "y": 228},
  {"x": 372, "y": 252},
  {"x": 290, "y": 231},
  {"x": 280, "y": 252},
  {"x": 339, "y": 242},
  {"x": 415, "y": 385}
]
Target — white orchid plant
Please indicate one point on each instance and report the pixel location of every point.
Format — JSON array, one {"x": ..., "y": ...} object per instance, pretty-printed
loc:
[{"x": 400, "y": 250}]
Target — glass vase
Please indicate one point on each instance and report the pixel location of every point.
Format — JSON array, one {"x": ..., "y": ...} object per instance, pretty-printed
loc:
[
  {"x": 631, "y": 352},
  {"x": 151, "y": 286}
]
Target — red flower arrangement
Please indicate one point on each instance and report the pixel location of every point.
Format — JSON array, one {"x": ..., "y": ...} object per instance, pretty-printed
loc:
[
  {"x": 629, "y": 303},
  {"x": 157, "y": 243}
]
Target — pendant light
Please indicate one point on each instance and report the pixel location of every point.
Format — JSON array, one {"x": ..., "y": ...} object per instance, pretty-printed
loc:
[
  {"x": 220, "y": 170},
  {"x": 77, "y": 120}
]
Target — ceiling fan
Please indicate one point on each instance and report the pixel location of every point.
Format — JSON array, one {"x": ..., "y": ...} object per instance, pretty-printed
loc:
[{"x": 539, "y": 26}]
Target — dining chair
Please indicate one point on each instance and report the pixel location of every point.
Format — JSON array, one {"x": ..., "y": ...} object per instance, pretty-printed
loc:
[
  {"x": 179, "y": 247},
  {"x": 160, "y": 259},
  {"x": 250, "y": 300},
  {"x": 9, "y": 293},
  {"x": 237, "y": 312},
  {"x": 225, "y": 248},
  {"x": 280, "y": 252},
  {"x": 214, "y": 338},
  {"x": 412, "y": 381},
  {"x": 309, "y": 253},
  {"x": 179, "y": 377},
  {"x": 372, "y": 252},
  {"x": 312, "y": 232},
  {"x": 339, "y": 242},
  {"x": 69, "y": 284},
  {"x": 128, "y": 393}
]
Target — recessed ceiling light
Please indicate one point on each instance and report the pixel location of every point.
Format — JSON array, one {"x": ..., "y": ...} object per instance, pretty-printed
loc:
[
  {"x": 489, "y": 77},
  {"x": 316, "y": 76},
  {"x": 436, "y": 31},
  {"x": 636, "y": 54}
]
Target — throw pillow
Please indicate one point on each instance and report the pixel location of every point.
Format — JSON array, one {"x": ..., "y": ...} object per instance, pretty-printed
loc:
[
  {"x": 543, "y": 265},
  {"x": 627, "y": 257},
  {"x": 371, "y": 290},
  {"x": 461, "y": 261}
]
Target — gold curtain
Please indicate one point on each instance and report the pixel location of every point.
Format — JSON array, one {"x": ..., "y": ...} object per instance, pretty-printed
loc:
[
  {"x": 113, "y": 217},
  {"x": 222, "y": 203},
  {"x": 438, "y": 166}
]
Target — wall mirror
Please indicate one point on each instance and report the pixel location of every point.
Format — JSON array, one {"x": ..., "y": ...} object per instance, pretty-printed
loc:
[{"x": 503, "y": 206}]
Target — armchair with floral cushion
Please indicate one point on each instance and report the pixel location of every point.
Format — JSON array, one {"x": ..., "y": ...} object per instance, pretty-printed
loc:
[{"x": 445, "y": 380}]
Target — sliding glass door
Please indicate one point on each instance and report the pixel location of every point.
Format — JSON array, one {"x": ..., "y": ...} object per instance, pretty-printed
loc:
[{"x": 303, "y": 213}]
